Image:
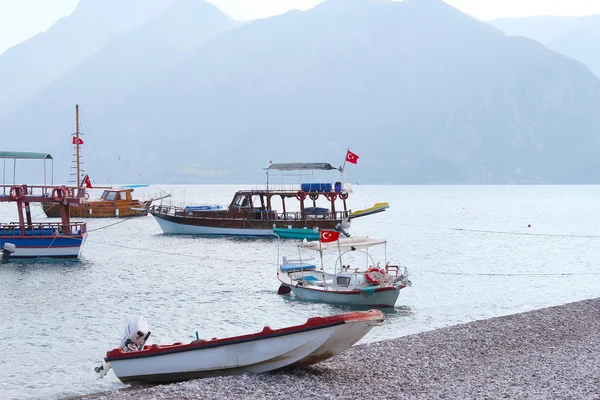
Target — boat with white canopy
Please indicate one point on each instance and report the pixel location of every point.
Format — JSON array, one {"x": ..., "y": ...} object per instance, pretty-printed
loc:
[{"x": 355, "y": 279}]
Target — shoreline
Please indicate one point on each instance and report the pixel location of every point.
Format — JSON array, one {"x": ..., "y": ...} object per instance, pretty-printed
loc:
[{"x": 550, "y": 353}]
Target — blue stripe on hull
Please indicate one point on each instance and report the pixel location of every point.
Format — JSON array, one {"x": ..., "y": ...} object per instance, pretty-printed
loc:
[{"x": 41, "y": 242}]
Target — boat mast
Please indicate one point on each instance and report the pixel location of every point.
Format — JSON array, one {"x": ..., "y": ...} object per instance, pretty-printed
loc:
[{"x": 77, "y": 144}]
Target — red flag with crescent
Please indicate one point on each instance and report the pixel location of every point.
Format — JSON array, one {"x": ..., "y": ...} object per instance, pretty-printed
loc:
[
  {"x": 329, "y": 236},
  {"x": 351, "y": 157},
  {"x": 88, "y": 182},
  {"x": 75, "y": 140}
]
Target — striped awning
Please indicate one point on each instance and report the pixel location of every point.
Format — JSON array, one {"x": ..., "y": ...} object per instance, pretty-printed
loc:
[{"x": 25, "y": 155}]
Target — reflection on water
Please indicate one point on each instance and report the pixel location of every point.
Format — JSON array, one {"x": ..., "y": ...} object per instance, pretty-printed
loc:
[{"x": 60, "y": 317}]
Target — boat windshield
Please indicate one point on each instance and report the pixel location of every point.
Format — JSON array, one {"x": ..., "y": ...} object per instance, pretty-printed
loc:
[{"x": 110, "y": 195}]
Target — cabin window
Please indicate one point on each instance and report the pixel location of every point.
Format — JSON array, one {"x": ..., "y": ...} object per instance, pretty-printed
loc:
[
  {"x": 110, "y": 196},
  {"x": 241, "y": 201},
  {"x": 342, "y": 281}
]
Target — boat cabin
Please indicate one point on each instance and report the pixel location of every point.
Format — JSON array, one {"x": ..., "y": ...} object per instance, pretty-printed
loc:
[{"x": 117, "y": 195}]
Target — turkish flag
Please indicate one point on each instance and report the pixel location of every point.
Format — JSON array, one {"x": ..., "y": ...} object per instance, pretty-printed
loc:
[
  {"x": 351, "y": 157},
  {"x": 75, "y": 140},
  {"x": 329, "y": 236},
  {"x": 88, "y": 182}
]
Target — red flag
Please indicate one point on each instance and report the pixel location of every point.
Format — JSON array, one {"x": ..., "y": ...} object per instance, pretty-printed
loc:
[
  {"x": 329, "y": 236},
  {"x": 88, "y": 182},
  {"x": 351, "y": 157},
  {"x": 75, "y": 140}
]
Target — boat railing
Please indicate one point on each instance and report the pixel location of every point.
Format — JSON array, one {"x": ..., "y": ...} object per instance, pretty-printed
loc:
[
  {"x": 40, "y": 190},
  {"x": 49, "y": 229}
]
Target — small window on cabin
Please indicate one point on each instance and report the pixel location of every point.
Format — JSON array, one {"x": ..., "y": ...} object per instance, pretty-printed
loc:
[
  {"x": 110, "y": 196},
  {"x": 343, "y": 281},
  {"x": 238, "y": 200}
]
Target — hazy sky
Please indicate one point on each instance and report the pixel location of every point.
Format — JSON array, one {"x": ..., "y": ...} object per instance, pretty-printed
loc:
[{"x": 21, "y": 19}]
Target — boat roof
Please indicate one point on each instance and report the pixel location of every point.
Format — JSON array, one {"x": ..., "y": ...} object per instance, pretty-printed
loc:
[
  {"x": 300, "y": 166},
  {"x": 26, "y": 155},
  {"x": 351, "y": 243},
  {"x": 134, "y": 186}
]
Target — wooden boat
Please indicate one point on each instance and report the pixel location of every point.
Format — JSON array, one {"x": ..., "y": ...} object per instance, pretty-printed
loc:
[
  {"x": 31, "y": 239},
  {"x": 318, "y": 339},
  {"x": 114, "y": 202},
  {"x": 370, "y": 285},
  {"x": 252, "y": 212}
]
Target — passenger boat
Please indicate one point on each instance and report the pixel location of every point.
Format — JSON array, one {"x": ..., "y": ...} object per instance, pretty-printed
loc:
[
  {"x": 318, "y": 339},
  {"x": 114, "y": 202},
  {"x": 375, "y": 284},
  {"x": 253, "y": 213},
  {"x": 31, "y": 239}
]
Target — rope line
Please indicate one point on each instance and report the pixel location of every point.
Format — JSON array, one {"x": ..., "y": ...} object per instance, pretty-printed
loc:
[
  {"x": 119, "y": 157},
  {"x": 516, "y": 274},
  {"x": 565, "y": 235},
  {"x": 175, "y": 254}
]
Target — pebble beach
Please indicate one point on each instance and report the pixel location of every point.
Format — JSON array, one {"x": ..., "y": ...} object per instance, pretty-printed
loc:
[{"x": 551, "y": 353}]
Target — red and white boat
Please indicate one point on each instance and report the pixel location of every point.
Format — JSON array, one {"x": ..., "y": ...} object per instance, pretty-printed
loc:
[{"x": 318, "y": 339}]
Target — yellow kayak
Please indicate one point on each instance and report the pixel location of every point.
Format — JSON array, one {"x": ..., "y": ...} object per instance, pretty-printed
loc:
[{"x": 377, "y": 208}]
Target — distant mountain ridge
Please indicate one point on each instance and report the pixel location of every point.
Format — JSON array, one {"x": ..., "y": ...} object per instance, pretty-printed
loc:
[
  {"x": 576, "y": 37},
  {"x": 27, "y": 68},
  {"x": 422, "y": 92}
]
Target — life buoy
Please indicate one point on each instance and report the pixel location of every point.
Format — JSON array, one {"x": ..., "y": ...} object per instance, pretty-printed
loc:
[
  {"x": 301, "y": 195},
  {"x": 68, "y": 192},
  {"x": 58, "y": 194},
  {"x": 17, "y": 192},
  {"x": 313, "y": 196},
  {"x": 343, "y": 195},
  {"x": 87, "y": 197},
  {"x": 371, "y": 278},
  {"x": 331, "y": 196}
]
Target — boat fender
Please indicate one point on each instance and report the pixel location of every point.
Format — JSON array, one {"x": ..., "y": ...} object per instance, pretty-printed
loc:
[
  {"x": 313, "y": 196},
  {"x": 343, "y": 195},
  {"x": 331, "y": 196},
  {"x": 371, "y": 278},
  {"x": 17, "y": 192},
  {"x": 58, "y": 194},
  {"x": 301, "y": 195}
]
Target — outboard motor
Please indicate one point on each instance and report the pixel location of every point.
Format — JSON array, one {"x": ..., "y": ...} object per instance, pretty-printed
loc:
[
  {"x": 7, "y": 251},
  {"x": 136, "y": 334},
  {"x": 339, "y": 228}
]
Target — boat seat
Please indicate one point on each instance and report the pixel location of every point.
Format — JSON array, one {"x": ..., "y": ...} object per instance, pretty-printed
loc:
[
  {"x": 296, "y": 267},
  {"x": 309, "y": 278}
]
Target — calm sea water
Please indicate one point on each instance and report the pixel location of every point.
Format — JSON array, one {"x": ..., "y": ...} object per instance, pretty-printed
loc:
[{"x": 59, "y": 318}]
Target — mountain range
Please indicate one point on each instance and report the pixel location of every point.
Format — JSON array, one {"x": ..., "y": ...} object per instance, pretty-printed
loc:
[
  {"x": 421, "y": 91},
  {"x": 576, "y": 37}
]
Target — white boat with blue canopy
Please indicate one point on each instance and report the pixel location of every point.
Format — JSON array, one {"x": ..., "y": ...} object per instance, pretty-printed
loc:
[
  {"x": 63, "y": 239},
  {"x": 355, "y": 279}
]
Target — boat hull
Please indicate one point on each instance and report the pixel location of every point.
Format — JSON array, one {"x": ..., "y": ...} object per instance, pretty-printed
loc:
[
  {"x": 266, "y": 351},
  {"x": 92, "y": 210},
  {"x": 232, "y": 226},
  {"x": 381, "y": 297},
  {"x": 293, "y": 233},
  {"x": 175, "y": 228},
  {"x": 58, "y": 247}
]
